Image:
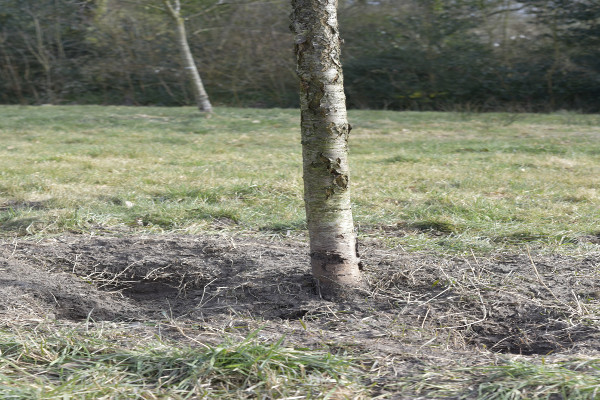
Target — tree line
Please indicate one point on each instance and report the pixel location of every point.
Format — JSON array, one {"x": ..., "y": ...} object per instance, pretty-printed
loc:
[{"x": 474, "y": 55}]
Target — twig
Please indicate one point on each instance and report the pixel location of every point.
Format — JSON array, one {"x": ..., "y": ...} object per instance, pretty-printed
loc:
[
  {"x": 437, "y": 295},
  {"x": 425, "y": 317},
  {"x": 476, "y": 262},
  {"x": 180, "y": 330},
  {"x": 14, "y": 250},
  {"x": 465, "y": 325},
  {"x": 539, "y": 277},
  {"x": 201, "y": 304},
  {"x": 116, "y": 276},
  {"x": 75, "y": 262}
]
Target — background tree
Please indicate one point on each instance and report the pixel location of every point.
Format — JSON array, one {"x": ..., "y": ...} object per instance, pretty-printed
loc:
[
  {"x": 481, "y": 55},
  {"x": 174, "y": 10},
  {"x": 136, "y": 44},
  {"x": 247, "y": 46},
  {"x": 325, "y": 130},
  {"x": 569, "y": 39},
  {"x": 425, "y": 55},
  {"x": 41, "y": 49}
]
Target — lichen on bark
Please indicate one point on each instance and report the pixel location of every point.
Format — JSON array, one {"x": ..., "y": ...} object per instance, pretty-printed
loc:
[{"x": 325, "y": 130}]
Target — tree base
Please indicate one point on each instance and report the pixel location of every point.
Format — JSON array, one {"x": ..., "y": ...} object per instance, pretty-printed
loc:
[{"x": 336, "y": 292}]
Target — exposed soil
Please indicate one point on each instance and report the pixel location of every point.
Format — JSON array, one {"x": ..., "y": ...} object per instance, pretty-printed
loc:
[{"x": 420, "y": 309}]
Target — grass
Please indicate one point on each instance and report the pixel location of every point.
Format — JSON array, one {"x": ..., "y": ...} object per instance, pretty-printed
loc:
[
  {"x": 512, "y": 380},
  {"x": 92, "y": 364},
  {"x": 89, "y": 361},
  {"x": 444, "y": 182},
  {"x": 438, "y": 182}
]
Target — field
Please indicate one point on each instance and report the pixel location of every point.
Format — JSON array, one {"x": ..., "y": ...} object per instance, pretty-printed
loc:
[{"x": 155, "y": 253}]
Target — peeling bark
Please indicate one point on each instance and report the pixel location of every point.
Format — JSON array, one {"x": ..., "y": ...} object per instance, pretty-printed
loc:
[
  {"x": 325, "y": 129},
  {"x": 199, "y": 92}
]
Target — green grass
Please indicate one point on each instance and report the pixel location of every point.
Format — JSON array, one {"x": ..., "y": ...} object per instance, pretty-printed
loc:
[
  {"x": 92, "y": 364},
  {"x": 442, "y": 182},
  {"x": 118, "y": 362},
  {"x": 511, "y": 380}
]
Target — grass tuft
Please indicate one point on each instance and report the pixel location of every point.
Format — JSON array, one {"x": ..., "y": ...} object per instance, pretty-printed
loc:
[
  {"x": 574, "y": 380},
  {"x": 511, "y": 380},
  {"x": 83, "y": 365}
]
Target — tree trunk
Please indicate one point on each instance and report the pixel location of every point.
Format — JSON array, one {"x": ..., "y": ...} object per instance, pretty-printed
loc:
[
  {"x": 190, "y": 66},
  {"x": 325, "y": 129}
]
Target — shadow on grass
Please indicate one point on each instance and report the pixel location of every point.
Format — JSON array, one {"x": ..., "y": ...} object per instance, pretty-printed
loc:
[
  {"x": 400, "y": 159},
  {"x": 17, "y": 205},
  {"x": 525, "y": 237},
  {"x": 17, "y": 225},
  {"x": 284, "y": 227},
  {"x": 169, "y": 221},
  {"x": 433, "y": 226}
]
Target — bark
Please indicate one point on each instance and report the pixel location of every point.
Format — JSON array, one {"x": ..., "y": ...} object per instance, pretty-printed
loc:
[
  {"x": 12, "y": 72},
  {"x": 325, "y": 130},
  {"x": 41, "y": 53},
  {"x": 199, "y": 92}
]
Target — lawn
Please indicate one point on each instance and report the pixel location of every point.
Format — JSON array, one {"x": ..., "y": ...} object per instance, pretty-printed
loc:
[
  {"x": 164, "y": 253},
  {"x": 446, "y": 182}
]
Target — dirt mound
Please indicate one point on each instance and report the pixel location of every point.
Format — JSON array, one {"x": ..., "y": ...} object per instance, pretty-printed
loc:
[{"x": 505, "y": 303}]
